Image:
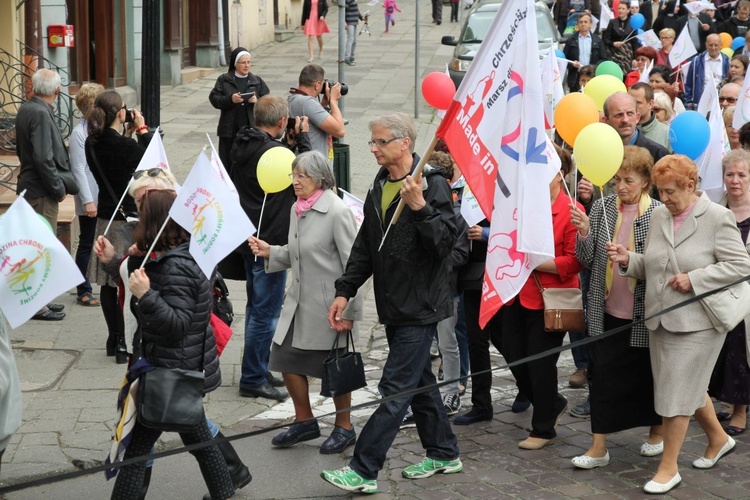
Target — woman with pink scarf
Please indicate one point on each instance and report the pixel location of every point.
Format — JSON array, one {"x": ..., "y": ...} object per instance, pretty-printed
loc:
[{"x": 321, "y": 234}]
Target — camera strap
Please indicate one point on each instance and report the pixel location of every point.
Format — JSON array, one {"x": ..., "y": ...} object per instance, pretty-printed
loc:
[{"x": 296, "y": 91}]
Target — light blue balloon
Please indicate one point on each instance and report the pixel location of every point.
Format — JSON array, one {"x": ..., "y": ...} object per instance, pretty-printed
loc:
[
  {"x": 560, "y": 54},
  {"x": 637, "y": 21},
  {"x": 738, "y": 43},
  {"x": 689, "y": 134}
]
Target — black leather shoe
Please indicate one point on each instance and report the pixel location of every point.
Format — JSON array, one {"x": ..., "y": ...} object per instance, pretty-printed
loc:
[
  {"x": 55, "y": 307},
  {"x": 276, "y": 382},
  {"x": 297, "y": 432},
  {"x": 520, "y": 404},
  {"x": 339, "y": 440},
  {"x": 264, "y": 391},
  {"x": 472, "y": 417},
  {"x": 121, "y": 351},
  {"x": 49, "y": 315}
]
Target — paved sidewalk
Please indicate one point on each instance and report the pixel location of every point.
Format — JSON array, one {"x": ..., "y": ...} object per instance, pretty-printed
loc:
[{"x": 70, "y": 385}]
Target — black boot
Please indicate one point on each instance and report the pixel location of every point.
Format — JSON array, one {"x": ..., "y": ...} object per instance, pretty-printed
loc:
[
  {"x": 146, "y": 482},
  {"x": 111, "y": 344},
  {"x": 237, "y": 470},
  {"x": 121, "y": 351}
]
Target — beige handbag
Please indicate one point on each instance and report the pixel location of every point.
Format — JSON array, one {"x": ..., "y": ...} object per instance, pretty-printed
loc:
[{"x": 563, "y": 308}]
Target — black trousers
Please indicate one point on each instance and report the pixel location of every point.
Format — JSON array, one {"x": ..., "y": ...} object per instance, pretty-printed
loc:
[
  {"x": 225, "y": 148},
  {"x": 129, "y": 483},
  {"x": 479, "y": 349},
  {"x": 524, "y": 335}
]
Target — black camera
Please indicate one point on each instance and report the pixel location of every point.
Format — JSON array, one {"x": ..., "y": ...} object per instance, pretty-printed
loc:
[
  {"x": 129, "y": 115},
  {"x": 331, "y": 83}
]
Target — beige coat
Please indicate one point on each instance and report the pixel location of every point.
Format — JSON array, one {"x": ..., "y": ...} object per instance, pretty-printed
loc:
[
  {"x": 317, "y": 252},
  {"x": 707, "y": 246}
]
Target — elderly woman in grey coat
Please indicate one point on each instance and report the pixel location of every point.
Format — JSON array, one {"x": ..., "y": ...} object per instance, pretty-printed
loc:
[
  {"x": 693, "y": 247},
  {"x": 321, "y": 233}
]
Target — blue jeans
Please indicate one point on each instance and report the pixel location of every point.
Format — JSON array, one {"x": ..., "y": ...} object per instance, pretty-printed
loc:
[
  {"x": 408, "y": 366},
  {"x": 265, "y": 294}
]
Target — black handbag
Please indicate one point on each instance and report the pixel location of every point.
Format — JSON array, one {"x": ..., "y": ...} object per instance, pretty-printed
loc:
[
  {"x": 342, "y": 373},
  {"x": 171, "y": 399}
]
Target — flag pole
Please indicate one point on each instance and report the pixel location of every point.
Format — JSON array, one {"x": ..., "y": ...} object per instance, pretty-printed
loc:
[
  {"x": 416, "y": 175},
  {"x": 114, "y": 214},
  {"x": 604, "y": 213},
  {"x": 153, "y": 244}
]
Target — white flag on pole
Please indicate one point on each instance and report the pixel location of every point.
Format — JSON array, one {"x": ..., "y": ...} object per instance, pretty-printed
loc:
[
  {"x": 646, "y": 72},
  {"x": 709, "y": 163},
  {"x": 155, "y": 156},
  {"x": 605, "y": 16},
  {"x": 742, "y": 108},
  {"x": 212, "y": 214},
  {"x": 34, "y": 266},
  {"x": 551, "y": 86},
  {"x": 470, "y": 209},
  {"x": 356, "y": 205},
  {"x": 683, "y": 49},
  {"x": 650, "y": 39}
]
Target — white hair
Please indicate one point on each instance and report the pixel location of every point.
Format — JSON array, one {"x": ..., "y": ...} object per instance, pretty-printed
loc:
[{"x": 45, "y": 82}]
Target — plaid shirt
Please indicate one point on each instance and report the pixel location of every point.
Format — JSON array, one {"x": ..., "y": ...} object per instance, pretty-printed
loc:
[{"x": 592, "y": 254}]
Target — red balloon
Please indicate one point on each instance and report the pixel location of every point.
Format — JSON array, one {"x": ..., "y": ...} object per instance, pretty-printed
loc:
[{"x": 438, "y": 90}]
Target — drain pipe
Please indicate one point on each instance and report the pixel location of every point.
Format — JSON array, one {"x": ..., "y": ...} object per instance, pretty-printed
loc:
[{"x": 222, "y": 52}]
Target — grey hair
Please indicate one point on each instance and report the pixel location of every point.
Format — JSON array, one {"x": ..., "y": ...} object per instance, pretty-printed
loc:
[
  {"x": 45, "y": 82},
  {"x": 269, "y": 110},
  {"x": 166, "y": 181},
  {"x": 736, "y": 156},
  {"x": 400, "y": 125},
  {"x": 315, "y": 165},
  {"x": 618, "y": 95}
]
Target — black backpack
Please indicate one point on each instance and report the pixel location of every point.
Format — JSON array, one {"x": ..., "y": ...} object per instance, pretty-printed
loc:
[{"x": 222, "y": 305}]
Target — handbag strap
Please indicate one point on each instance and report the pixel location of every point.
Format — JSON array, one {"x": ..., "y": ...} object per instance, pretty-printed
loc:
[
  {"x": 335, "y": 348},
  {"x": 90, "y": 149},
  {"x": 538, "y": 283}
]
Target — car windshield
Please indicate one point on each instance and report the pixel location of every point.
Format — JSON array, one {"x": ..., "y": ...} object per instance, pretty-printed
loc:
[{"x": 479, "y": 23}]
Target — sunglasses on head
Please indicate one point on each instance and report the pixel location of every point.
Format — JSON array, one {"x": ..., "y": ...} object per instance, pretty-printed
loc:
[{"x": 151, "y": 172}]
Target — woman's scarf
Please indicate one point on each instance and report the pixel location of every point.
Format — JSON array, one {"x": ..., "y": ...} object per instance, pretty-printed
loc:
[
  {"x": 643, "y": 205},
  {"x": 304, "y": 204}
]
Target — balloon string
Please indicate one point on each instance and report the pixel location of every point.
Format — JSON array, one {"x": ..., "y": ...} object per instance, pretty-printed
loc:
[
  {"x": 567, "y": 190},
  {"x": 604, "y": 213},
  {"x": 260, "y": 220}
]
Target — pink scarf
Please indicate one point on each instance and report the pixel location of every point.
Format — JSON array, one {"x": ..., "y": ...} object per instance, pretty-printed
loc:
[{"x": 304, "y": 204}]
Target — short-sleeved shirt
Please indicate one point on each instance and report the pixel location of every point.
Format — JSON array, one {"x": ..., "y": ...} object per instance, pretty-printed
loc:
[{"x": 305, "y": 105}]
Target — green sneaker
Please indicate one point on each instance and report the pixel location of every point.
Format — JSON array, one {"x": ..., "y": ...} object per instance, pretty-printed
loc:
[
  {"x": 429, "y": 467},
  {"x": 349, "y": 480}
]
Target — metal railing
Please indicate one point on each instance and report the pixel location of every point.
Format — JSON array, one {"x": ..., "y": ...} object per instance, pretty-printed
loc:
[{"x": 15, "y": 85}]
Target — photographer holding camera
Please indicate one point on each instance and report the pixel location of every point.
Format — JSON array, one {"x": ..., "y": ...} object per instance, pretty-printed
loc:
[
  {"x": 113, "y": 158},
  {"x": 303, "y": 101}
]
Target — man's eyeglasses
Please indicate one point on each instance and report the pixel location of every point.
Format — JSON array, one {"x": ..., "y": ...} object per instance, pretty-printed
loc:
[
  {"x": 730, "y": 100},
  {"x": 298, "y": 177},
  {"x": 382, "y": 142},
  {"x": 151, "y": 172}
]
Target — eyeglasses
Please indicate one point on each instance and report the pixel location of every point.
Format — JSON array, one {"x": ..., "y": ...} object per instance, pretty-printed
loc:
[
  {"x": 382, "y": 142},
  {"x": 151, "y": 172},
  {"x": 730, "y": 100},
  {"x": 298, "y": 177}
]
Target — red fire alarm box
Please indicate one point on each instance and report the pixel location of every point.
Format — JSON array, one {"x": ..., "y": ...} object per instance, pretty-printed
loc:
[{"x": 60, "y": 35}]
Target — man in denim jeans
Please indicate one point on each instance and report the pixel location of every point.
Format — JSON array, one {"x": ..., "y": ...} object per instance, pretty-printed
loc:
[
  {"x": 265, "y": 291},
  {"x": 412, "y": 294}
]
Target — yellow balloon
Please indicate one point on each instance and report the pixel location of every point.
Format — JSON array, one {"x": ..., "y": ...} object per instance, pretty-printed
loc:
[
  {"x": 598, "y": 152},
  {"x": 602, "y": 86},
  {"x": 274, "y": 168},
  {"x": 727, "y": 51}
]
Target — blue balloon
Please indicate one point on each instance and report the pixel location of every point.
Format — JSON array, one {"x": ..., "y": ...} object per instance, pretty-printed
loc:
[
  {"x": 637, "y": 21},
  {"x": 640, "y": 31},
  {"x": 560, "y": 54},
  {"x": 689, "y": 134},
  {"x": 738, "y": 43}
]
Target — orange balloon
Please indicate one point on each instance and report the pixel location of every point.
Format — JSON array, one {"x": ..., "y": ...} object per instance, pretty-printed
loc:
[
  {"x": 573, "y": 113},
  {"x": 726, "y": 40}
]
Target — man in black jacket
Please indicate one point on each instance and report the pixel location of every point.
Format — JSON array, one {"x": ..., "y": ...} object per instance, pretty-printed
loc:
[
  {"x": 265, "y": 291},
  {"x": 583, "y": 48},
  {"x": 45, "y": 170},
  {"x": 412, "y": 293}
]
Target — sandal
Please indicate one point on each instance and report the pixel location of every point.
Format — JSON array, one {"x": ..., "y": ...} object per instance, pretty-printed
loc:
[
  {"x": 88, "y": 300},
  {"x": 723, "y": 416}
]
